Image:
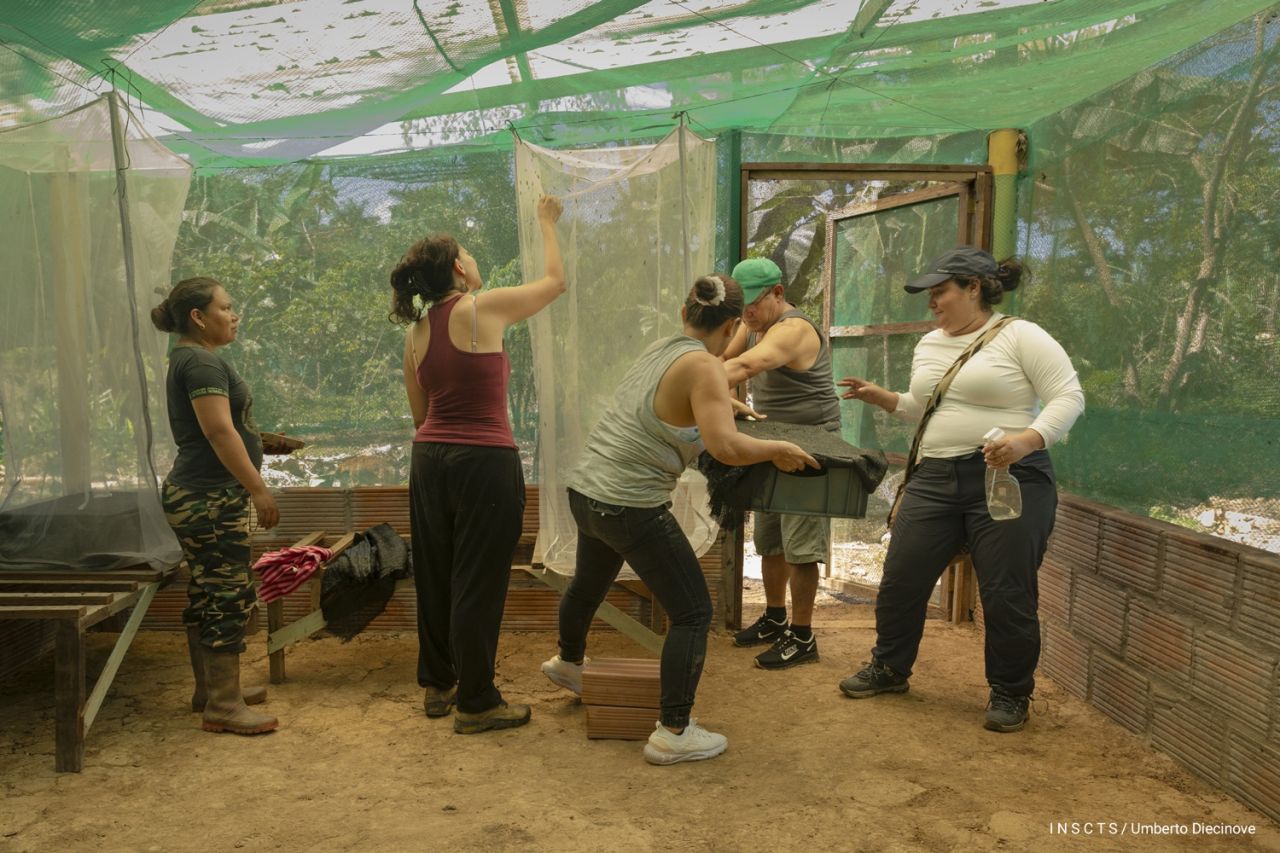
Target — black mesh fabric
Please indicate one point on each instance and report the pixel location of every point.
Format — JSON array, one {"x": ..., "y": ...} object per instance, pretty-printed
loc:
[{"x": 730, "y": 488}]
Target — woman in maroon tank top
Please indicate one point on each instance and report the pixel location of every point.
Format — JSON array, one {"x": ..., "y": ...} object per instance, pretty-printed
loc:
[{"x": 466, "y": 483}]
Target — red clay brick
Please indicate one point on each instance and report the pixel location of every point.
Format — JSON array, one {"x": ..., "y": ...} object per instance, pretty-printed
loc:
[
  {"x": 1253, "y": 773},
  {"x": 1119, "y": 692},
  {"x": 1197, "y": 578},
  {"x": 1097, "y": 611},
  {"x": 1065, "y": 659},
  {"x": 1055, "y": 590},
  {"x": 1258, "y": 610},
  {"x": 1158, "y": 642},
  {"x": 1075, "y": 537},
  {"x": 1192, "y": 734},
  {"x": 1236, "y": 679},
  {"x": 1130, "y": 555}
]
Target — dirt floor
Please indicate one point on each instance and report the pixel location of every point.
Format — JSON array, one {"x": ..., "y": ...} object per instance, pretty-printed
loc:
[{"x": 356, "y": 766}]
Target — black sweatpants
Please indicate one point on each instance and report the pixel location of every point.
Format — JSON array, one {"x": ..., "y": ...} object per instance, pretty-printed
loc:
[
  {"x": 466, "y": 508},
  {"x": 944, "y": 507}
]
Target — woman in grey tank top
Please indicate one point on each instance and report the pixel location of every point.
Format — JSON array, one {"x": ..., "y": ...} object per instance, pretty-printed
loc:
[{"x": 672, "y": 403}]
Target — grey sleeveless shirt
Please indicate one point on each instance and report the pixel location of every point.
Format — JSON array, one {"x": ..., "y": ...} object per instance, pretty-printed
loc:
[
  {"x": 798, "y": 396},
  {"x": 631, "y": 457}
]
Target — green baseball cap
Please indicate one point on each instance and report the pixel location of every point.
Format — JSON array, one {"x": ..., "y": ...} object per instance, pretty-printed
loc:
[{"x": 756, "y": 275}]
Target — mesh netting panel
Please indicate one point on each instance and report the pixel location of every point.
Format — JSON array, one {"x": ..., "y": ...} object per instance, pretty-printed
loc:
[
  {"x": 638, "y": 227},
  {"x": 305, "y": 251},
  {"x": 81, "y": 370},
  {"x": 1150, "y": 226},
  {"x": 271, "y": 81}
]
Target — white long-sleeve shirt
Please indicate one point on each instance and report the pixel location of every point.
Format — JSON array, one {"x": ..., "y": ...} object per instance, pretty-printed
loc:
[{"x": 1002, "y": 386}]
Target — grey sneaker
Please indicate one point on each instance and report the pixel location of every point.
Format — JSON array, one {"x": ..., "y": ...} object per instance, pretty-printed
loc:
[
  {"x": 437, "y": 702},
  {"x": 873, "y": 679},
  {"x": 1006, "y": 712},
  {"x": 693, "y": 744},
  {"x": 565, "y": 674},
  {"x": 501, "y": 716}
]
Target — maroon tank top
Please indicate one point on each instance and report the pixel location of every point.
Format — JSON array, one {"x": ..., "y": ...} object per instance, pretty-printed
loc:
[{"x": 466, "y": 391}]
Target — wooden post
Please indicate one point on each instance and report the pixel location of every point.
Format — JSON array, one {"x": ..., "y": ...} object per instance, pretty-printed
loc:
[
  {"x": 275, "y": 621},
  {"x": 963, "y": 588},
  {"x": 69, "y": 697}
]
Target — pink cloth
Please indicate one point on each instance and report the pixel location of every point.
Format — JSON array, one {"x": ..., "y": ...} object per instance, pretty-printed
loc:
[{"x": 281, "y": 572}]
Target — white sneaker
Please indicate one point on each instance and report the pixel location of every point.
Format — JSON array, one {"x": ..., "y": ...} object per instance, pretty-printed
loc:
[
  {"x": 565, "y": 674},
  {"x": 693, "y": 744}
]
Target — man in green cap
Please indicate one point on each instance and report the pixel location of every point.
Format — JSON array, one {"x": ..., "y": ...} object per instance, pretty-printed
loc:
[{"x": 788, "y": 360}]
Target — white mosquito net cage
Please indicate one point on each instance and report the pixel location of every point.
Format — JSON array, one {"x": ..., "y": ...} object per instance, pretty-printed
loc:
[
  {"x": 90, "y": 207},
  {"x": 638, "y": 227}
]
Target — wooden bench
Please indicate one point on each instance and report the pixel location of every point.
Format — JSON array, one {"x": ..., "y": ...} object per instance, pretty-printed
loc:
[
  {"x": 331, "y": 516},
  {"x": 77, "y": 602}
]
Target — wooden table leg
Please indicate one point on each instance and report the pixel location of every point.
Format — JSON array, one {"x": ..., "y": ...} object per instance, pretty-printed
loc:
[
  {"x": 275, "y": 621},
  {"x": 69, "y": 694},
  {"x": 657, "y": 616}
]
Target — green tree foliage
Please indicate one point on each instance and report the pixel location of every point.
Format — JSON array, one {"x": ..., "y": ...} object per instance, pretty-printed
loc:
[
  {"x": 1153, "y": 228},
  {"x": 306, "y": 252}
]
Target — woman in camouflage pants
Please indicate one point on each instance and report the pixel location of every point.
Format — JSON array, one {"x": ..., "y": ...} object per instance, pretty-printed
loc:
[{"x": 207, "y": 496}]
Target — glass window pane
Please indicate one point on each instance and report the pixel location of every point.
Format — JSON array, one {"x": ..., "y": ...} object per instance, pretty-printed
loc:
[{"x": 877, "y": 253}]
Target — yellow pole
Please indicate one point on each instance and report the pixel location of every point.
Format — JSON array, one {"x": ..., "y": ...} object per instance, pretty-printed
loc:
[{"x": 1004, "y": 150}]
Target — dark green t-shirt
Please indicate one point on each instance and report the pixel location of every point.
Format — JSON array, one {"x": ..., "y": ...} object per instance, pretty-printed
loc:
[{"x": 195, "y": 372}]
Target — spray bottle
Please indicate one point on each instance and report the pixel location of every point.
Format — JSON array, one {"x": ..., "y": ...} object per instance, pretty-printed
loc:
[{"x": 1004, "y": 495}]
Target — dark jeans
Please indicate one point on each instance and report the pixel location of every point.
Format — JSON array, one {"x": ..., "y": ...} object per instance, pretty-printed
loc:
[
  {"x": 944, "y": 507},
  {"x": 653, "y": 544},
  {"x": 466, "y": 508}
]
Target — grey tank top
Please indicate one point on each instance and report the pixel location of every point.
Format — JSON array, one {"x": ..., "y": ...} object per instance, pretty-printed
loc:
[
  {"x": 798, "y": 396},
  {"x": 632, "y": 458}
]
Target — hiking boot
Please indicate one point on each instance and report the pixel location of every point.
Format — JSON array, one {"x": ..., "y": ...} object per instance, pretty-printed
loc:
[
  {"x": 763, "y": 630},
  {"x": 693, "y": 744},
  {"x": 874, "y": 678},
  {"x": 1006, "y": 712},
  {"x": 501, "y": 716},
  {"x": 225, "y": 710},
  {"x": 255, "y": 694},
  {"x": 437, "y": 702},
  {"x": 565, "y": 674},
  {"x": 787, "y": 651}
]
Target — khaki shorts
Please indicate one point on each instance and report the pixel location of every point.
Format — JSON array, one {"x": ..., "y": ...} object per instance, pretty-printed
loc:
[{"x": 798, "y": 538}]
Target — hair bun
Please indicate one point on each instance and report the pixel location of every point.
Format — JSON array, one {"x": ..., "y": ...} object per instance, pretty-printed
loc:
[
  {"x": 709, "y": 290},
  {"x": 1009, "y": 273},
  {"x": 161, "y": 318}
]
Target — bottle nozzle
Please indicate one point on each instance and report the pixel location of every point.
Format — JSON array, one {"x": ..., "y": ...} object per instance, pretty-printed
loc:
[{"x": 993, "y": 434}]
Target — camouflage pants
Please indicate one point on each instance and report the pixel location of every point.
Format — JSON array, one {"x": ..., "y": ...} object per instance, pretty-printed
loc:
[{"x": 213, "y": 528}]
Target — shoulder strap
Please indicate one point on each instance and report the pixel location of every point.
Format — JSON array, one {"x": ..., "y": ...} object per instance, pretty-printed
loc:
[
  {"x": 935, "y": 399},
  {"x": 413, "y": 348},
  {"x": 475, "y": 323}
]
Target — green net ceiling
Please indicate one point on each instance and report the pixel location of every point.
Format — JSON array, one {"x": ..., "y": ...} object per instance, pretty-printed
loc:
[{"x": 260, "y": 82}]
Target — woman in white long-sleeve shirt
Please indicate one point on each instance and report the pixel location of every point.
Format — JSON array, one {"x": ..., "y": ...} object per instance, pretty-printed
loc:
[{"x": 944, "y": 505}]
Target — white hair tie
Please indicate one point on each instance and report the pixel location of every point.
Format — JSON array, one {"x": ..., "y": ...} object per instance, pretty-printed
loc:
[{"x": 715, "y": 300}]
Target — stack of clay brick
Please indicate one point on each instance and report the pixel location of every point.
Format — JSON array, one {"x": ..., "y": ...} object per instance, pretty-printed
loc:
[{"x": 621, "y": 695}]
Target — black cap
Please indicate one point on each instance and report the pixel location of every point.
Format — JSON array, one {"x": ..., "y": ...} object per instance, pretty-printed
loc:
[{"x": 962, "y": 260}]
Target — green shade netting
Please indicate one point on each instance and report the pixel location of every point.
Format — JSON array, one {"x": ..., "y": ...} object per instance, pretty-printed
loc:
[{"x": 251, "y": 82}]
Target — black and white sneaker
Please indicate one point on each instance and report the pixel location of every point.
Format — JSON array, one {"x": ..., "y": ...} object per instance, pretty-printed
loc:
[
  {"x": 787, "y": 651},
  {"x": 763, "y": 630}
]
